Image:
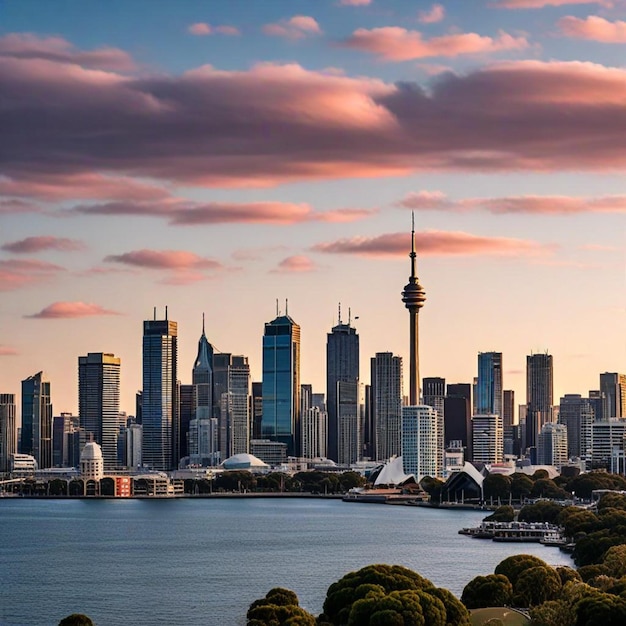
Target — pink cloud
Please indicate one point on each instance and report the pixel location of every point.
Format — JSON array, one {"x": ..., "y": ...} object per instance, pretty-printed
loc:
[
  {"x": 202, "y": 28},
  {"x": 436, "y": 13},
  {"x": 182, "y": 213},
  {"x": 31, "y": 46},
  {"x": 540, "y": 4},
  {"x": 7, "y": 351},
  {"x": 32, "y": 245},
  {"x": 164, "y": 260},
  {"x": 275, "y": 124},
  {"x": 594, "y": 28},
  {"x": 10, "y": 206},
  {"x": 354, "y": 3},
  {"x": 71, "y": 310},
  {"x": 16, "y": 273},
  {"x": 393, "y": 43},
  {"x": 537, "y": 205},
  {"x": 433, "y": 243},
  {"x": 296, "y": 263},
  {"x": 86, "y": 185},
  {"x": 296, "y": 27}
]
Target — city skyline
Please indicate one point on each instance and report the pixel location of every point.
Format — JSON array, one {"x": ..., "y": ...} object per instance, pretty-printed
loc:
[{"x": 234, "y": 156}]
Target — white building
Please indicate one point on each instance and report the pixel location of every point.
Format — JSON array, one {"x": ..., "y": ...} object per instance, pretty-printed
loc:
[
  {"x": 314, "y": 433},
  {"x": 420, "y": 442},
  {"x": 607, "y": 440},
  {"x": 91, "y": 462},
  {"x": 487, "y": 438},
  {"x": 552, "y": 445},
  {"x": 22, "y": 464},
  {"x": 134, "y": 433}
]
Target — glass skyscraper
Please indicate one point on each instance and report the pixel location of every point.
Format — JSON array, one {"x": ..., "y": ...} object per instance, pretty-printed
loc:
[
  {"x": 99, "y": 402},
  {"x": 386, "y": 404},
  {"x": 538, "y": 396},
  {"x": 159, "y": 404},
  {"x": 281, "y": 383},
  {"x": 342, "y": 365},
  {"x": 489, "y": 387},
  {"x": 36, "y": 437}
]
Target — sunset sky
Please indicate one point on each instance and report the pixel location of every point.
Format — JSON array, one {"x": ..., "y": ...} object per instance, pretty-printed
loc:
[{"x": 215, "y": 156}]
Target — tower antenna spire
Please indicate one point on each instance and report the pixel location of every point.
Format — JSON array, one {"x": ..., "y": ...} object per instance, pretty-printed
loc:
[
  {"x": 339, "y": 315},
  {"x": 203, "y": 322},
  {"x": 277, "y": 311},
  {"x": 286, "y": 306},
  {"x": 349, "y": 316},
  {"x": 413, "y": 255}
]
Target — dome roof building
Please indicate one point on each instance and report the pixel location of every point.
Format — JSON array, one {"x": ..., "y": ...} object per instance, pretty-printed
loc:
[
  {"x": 244, "y": 461},
  {"x": 92, "y": 461}
]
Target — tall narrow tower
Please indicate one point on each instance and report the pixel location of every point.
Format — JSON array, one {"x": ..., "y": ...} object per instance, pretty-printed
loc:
[{"x": 413, "y": 297}]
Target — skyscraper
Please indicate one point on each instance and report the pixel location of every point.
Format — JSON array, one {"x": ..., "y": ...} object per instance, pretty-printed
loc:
[
  {"x": 386, "y": 404},
  {"x": 281, "y": 383},
  {"x": 36, "y": 437},
  {"x": 457, "y": 415},
  {"x": 8, "y": 430},
  {"x": 235, "y": 406},
  {"x": 99, "y": 402},
  {"x": 342, "y": 365},
  {"x": 421, "y": 442},
  {"x": 413, "y": 297},
  {"x": 489, "y": 388},
  {"x": 159, "y": 397},
  {"x": 552, "y": 445},
  {"x": 539, "y": 387},
  {"x": 613, "y": 393},
  {"x": 577, "y": 415},
  {"x": 487, "y": 438}
]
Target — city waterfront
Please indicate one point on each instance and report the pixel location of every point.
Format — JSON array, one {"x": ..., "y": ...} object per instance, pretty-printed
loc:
[{"x": 201, "y": 562}]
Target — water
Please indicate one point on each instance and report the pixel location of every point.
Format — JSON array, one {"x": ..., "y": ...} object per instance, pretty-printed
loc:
[{"x": 201, "y": 562}]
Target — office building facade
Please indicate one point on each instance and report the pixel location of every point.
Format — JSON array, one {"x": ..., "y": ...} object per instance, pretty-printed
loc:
[
  {"x": 421, "y": 455},
  {"x": 281, "y": 383},
  {"x": 487, "y": 438},
  {"x": 8, "y": 430},
  {"x": 386, "y": 404},
  {"x": 539, "y": 386},
  {"x": 36, "y": 435},
  {"x": 159, "y": 403}
]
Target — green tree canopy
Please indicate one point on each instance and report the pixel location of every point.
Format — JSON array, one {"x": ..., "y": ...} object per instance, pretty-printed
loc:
[
  {"x": 514, "y": 565},
  {"x": 543, "y": 511},
  {"x": 536, "y": 585},
  {"x": 504, "y": 513},
  {"x": 496, "y": 486},
  {"x": 485, "y": 591},
  {"x": 521, "y": 485},
  {"x": 279, "y": 607}
]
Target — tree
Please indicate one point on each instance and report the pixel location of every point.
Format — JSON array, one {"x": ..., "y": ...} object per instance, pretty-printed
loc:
[
  {"x": 536, "y": 585},
  {"x": 615, "y": 561},
  {"x": 497, "y": 487},
  {"x": 521, "y": 486},
  {"x": 546, "y": 488},
  {"x": 601, "y": 609},
  {"x": 279, "y": 607},
  {"x": 544, "y": 511},
  {"x": 553, "y": 613},
  {"x": 432, "y": 486},
  {"x": 612, "y": 501},
  {"x": 383, "y": 592},
  {"x": 503, "y": 513},
  {"x": 349, "y": 480},
  {"x": 234, "y": 481},
  {"x": 76, "y": 619},
  {"x": 485, "y": 591},
  {"x": 514, "y": 565}
]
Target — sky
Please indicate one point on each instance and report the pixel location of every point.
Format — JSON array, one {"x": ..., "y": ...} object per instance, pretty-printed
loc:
[{"x": 239, "y": 157}]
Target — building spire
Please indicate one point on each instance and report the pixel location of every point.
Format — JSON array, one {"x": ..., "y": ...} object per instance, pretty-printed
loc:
[
  {"x": 339, "y": 315},
  {"x": 413, "y": 255},
  {"x": 203, "y": 334}
]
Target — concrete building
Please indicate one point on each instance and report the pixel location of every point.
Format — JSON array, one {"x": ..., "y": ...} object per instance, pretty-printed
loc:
[
  {"x": 314, "y": 427},
  {"x": 552, "y": 445},
  {"x": 539, "y": 391},
  {"x": 577, "y": 415},
  {"x": 99, "y": 402},
  {"x": 8, "y": 430},
  {"x": 92, "y": 462},
  {"x": 386, "y": 404},
  {"x": 487, "y": 438},
  {"x": 421, "y": 455},
  {"x": 274, "y": 453},
  {"x": 607, "y": 441},
  {"x": 36, "y": 434},
  {"x": 613, "y": 394}
]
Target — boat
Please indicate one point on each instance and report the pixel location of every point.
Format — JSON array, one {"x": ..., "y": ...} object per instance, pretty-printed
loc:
[{"x": 517, "y": 532}]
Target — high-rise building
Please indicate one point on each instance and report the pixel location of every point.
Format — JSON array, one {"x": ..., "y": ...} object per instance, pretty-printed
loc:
[
  {"x": 314, "y": 423},
  {"x": 386, "y": 404},
  {"x": 538, "y": 395},
  {"x": 577, "y": 415},
  {"x": 8, "y": 430},
  {"x": 187, "y": 410},
  {"x": 458, "y": 417},
  {"x": 257, "y": 409},
  {"x": 349, "y": 423},
  {"x": 99, "y": 402},
  {"x": 434, "y": 393},
  {"x": 36, "y": 438},
  {"x": 613, "y": 393},
  {"x": 552, "y": 445},
  {"x": 487, "y": 438},
  {"x": 160, "y": 413},
  {"x": 235, "y": 407},
  {"x": 62, "y": 427},
  {"x": 421, "y": 453},
  {"x": 342, "y": 365},
  {"x": 489, "y": 388},
  {"x": 511, "y": 444},
  {"x": 281, "y": 383},
  {"x": 608, "y": 440},
  {"x": 413, "y": 297}
]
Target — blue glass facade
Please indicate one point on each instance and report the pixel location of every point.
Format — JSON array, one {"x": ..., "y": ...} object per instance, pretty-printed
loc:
[
  {"x": 36, "y": 438},
  {"x": 489, "y": 388},
  {"x": 281, "y": 383}
]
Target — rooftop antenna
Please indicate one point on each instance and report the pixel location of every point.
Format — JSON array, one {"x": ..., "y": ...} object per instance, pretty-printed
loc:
[
  {"x": 155, "y": 314},
  {"x": 339, "y": 315},
  {"x": 203, "y": 323},
  {"x": 286, "y": 306},
  {"x": 349, "y": 316},
  {"x": 413, "y": 255},
  {"x": 166, "y": 312},
  {"x": 277, "y": 311}
]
